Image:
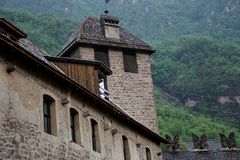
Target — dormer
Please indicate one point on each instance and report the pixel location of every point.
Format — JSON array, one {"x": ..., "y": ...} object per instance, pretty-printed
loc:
[
  {"x": 90, "y": 74},
  {"x": 10, "y": 31},
  {"x": 110, "y": 26}
]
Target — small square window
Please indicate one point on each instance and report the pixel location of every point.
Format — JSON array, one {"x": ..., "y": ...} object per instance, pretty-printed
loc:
[{"x": 130, "y": 62}]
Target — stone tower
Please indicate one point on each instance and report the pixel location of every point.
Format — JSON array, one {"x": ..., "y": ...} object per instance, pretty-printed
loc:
[{"x": 130, "y": 85}]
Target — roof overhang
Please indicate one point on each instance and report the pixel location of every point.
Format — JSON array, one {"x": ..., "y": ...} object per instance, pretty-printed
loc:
[
  {"x": 11, "y": 29},
  {"x": 98, "y": 65},
  {"x": 85, "y": 42}
]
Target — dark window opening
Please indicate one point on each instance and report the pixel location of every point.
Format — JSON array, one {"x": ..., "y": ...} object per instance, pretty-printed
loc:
[
  {"x": 102, "y": 55},
  {"x": 130, "y": 62},
  {"x": 47, "y": 117},
  {"x": 73, "y": 122},
  {"x": 148, "y": 154},
  {"x": 95, "y": 136},
  {"x": 94, "y": 145},
  {"x": 126, "y": 151},
  {"x": 47, "y": 104}
]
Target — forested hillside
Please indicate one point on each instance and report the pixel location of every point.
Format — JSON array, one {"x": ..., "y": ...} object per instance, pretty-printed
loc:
[
  {"x": 197, "y": 57},
  {"x": 47, "y": 31},
  {"x": 155, "y": 19},
  {"x": 203, "y": 70}
]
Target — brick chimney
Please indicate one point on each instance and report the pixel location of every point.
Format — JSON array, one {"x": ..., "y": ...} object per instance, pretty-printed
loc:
[{"x": 110, "y": 26}]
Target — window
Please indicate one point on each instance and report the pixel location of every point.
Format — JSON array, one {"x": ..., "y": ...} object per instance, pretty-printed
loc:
[
  {"x": 49, "y": 115},
  {"x": 102, "y": 82},
  {"x": 102, "y": 55},
  {"x": 148, "y": 154},
  {"x": 130, "y": 62},
  {"x": 95, "y": 136},
  {"x": 75, "y": 126},
  {"x": 126, "y": 151}
]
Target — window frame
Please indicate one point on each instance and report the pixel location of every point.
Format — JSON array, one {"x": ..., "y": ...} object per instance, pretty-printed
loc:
[
  {"x": 126, "y": 148},
  {"x": 49, "y": 115},
  {"x": 148, "y": 154},
  {"x": 73, "y": 121},
  {"x": 95, "y": 136}
]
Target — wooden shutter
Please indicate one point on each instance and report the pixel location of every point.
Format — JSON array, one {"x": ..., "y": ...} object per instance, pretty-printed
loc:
[
  {"x": 130, "y": 62},
  {"x": 102, "y": 55}
]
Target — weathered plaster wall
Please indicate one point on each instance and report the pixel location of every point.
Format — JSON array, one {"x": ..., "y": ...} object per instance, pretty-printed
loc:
[{"x": 21, "y": 123}]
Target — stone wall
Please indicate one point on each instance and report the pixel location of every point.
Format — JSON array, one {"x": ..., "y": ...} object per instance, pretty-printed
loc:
[
  {"x": 86, "y": 53},
  {"x": 204, "y": 155},
  {"x": 21, "y": 122},
  {"x": 111, "y": 31},
  {"x": 23, "y": 140},
  {"x": 133, "y": 91}
]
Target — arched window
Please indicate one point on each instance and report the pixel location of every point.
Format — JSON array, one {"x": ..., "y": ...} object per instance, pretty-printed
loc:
[
  {"x": 95, "y": 136},
  {"x": 49, "y": 115},
  {"x": 148, "y": 154},
  {"x": 75, "y": 126},
  {"x": 126, "y": 151}
]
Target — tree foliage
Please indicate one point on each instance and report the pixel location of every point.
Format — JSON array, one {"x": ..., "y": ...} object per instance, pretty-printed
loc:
[
  {"x": 174, "y": 118},
  {"x": 203, "y": 70},
  {"x": 46, "y": 31}
]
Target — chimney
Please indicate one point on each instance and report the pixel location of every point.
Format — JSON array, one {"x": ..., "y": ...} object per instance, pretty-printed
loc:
[{"x": 110, "y": 26}]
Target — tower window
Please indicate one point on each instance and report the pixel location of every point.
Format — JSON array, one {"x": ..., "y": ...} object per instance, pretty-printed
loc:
[
  {"x": 74, "y": 126},
  {"x": 130, "y": 62},
  {"x": 126, "y": 151},
  {"x": 102, "y": 55},
  {"x": 95, "y": 136},
  {"x": 49, "y": 115},
  {"x": 148, "y": 154}
]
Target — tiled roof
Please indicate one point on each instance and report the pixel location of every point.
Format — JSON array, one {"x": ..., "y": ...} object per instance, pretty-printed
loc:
[
  {"x": 37, "y": 52},
  {"x": 91, "y": 31}
]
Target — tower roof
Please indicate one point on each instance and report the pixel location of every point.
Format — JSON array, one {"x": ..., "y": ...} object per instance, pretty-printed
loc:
[{"x": 91, "y": 32}]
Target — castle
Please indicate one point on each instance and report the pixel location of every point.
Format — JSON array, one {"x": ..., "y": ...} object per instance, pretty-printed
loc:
[{"x": 94, "y": 101}]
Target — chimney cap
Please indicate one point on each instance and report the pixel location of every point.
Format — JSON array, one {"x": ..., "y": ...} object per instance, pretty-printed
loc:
[{"x": 110, "y": 20}]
